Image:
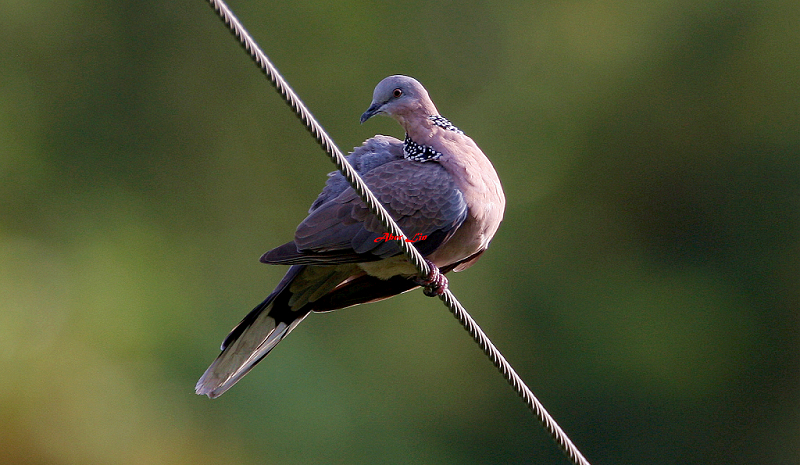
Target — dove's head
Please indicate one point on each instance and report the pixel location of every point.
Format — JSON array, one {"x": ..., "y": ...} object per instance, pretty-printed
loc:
[{"x": 401, "y": 97}]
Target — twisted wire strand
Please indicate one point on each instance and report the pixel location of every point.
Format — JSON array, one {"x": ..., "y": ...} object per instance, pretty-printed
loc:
[
  {"x": 455, "y": 307},
  {"x": 316, "y": 130}
]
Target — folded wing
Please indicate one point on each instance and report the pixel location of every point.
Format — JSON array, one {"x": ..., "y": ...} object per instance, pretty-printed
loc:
[{"x": 421, "y": 197}]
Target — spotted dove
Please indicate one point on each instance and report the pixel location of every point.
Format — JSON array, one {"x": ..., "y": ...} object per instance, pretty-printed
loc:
[{"x": 438, "y": 186}]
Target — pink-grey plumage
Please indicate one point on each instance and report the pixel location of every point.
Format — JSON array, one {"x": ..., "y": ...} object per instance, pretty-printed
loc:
[{"x": 437, "y": 183}]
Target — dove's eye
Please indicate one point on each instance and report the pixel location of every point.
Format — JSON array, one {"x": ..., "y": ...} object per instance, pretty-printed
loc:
[{"x": 397, "y": 93}]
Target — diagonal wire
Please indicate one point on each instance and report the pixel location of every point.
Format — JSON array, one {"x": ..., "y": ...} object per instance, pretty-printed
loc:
[{"x": 408, "y": 249}]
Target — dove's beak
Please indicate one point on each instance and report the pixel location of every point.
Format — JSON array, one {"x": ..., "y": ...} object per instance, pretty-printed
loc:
[{"x": 373, "y": 110}]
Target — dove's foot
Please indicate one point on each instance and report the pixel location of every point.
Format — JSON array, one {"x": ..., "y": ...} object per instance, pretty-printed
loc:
[{"x": 435, "y": 284}]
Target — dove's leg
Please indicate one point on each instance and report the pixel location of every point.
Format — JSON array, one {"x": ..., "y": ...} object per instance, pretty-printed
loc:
[{"x": 435, "y": 283}]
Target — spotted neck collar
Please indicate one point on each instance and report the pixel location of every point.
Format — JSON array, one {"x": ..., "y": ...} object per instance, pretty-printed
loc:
[{"x": 422, "y": 153}]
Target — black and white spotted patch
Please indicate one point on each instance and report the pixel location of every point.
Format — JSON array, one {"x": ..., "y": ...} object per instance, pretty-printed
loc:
[
  {"x": 422, "y": 153},
  {"x": 444, "y": 123},
  {"x": 416, "y": 152}
]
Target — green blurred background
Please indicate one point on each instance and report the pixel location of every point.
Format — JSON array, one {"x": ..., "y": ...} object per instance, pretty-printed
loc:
[{"x": 645, "y": 281}]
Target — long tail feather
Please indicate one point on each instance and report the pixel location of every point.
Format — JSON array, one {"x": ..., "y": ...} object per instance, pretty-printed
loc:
[
  {"x": 252, "y": 339},
  {"x": 243, "y": 353}
]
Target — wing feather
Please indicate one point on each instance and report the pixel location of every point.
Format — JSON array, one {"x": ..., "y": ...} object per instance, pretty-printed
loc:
[{"x": 421, "y": 197}]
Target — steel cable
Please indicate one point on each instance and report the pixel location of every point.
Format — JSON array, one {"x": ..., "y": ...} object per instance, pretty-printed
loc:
[{"x": 460, "y": 313}]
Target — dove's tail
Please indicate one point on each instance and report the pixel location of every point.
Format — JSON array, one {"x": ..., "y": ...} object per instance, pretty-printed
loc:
[
  {"x": 302, "y": 290},
  {"x": 252, "y": 339}
]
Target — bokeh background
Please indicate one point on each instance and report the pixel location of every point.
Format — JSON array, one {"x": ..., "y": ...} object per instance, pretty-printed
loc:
[{"x": 645, "y": 281}]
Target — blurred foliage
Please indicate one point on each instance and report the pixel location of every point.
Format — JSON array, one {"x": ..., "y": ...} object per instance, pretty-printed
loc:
[{"x": 645, "y": 281}]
